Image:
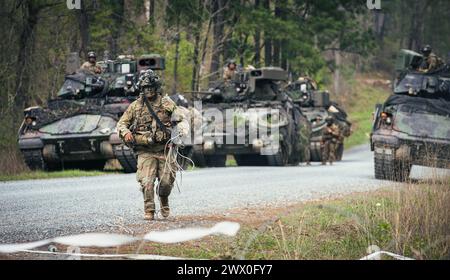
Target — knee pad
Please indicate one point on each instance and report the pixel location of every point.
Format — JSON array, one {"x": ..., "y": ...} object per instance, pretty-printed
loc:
[{"x": 164, "y": 190}]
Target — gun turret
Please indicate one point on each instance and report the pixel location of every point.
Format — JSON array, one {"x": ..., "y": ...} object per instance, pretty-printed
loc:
[{"x": 151, "y": 61}]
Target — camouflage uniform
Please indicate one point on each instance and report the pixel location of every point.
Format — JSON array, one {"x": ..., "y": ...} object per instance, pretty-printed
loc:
[
  {"x": 228, "y": 74},
  {"x": 150, "y": 143},
  {"x": 433, "y": 62},
  {"x": 91, "y": 67},
  {"x": 331, "y": 134},
  {"x": 430, "y": 61},
  {"x": 305, "y": 140},
  {"x": 312, "y": 82}
]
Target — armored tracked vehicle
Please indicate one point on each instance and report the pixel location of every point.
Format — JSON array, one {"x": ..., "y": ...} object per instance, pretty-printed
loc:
[
  {"x": 77, "y": 129},
  {"x": 252, "y": 119},
  {"x": 316, "y": 106},
  {"x": 413, "y": 126}
]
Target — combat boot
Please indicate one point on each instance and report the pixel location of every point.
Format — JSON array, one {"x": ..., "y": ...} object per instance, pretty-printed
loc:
[
  {"x": 148, "y": 216},
  {"x": 165, "y": 210},
  {"x": 149, "y": 203}
]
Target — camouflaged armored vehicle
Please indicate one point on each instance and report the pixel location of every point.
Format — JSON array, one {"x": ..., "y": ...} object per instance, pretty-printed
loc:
[
  {"x": 413, "y": 126},
  {"x": 316, "y": 106},
  {"x": 77, "y": 129},
  {"x": 250, "y": 118}
]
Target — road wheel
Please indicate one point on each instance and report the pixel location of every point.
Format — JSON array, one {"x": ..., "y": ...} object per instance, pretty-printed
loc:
[{"x": 216, "y": 160}]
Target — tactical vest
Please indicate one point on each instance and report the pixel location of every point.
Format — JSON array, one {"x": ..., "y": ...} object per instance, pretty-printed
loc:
[
  {"x": 91, "y": 67},
  {"x": 146, "y": 127},
  {"x": 328, "y": 136}
]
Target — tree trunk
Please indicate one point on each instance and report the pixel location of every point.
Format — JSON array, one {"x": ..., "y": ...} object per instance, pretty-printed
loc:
[
  {"x": 415, "y": 41},
  {"x": 284, "y": 59},
  {"x": 177, "y": 57},
  {"x": 136, "y": 14},
  {"x": 218, "y": 20},
  {"x": 26, "y": 46},
  {"x": 337, "y": 72},
  {"x": 267, "y": 40},
  {"x": 120, "y": 12},
  {"x": 83, "y": 25},
  {"x": 227, "y": 52},
  {"x": 257, "y": 39},
  {"x": 276, "y": 53},
  {"x": 147, "y": 10},
  {"x": 257, "y": 49},
  {"x": 204, "y": 51},
  {"x": 276, "y": 42},
  {"x": 242, "y": 46},
  {"x": 151, "y": 15},
  {"x": 196, "y": 54},
  {"x": 379, "y": 25}
]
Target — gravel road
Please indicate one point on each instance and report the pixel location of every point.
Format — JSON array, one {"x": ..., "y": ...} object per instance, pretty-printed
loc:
[{"x": 38, "y": 209}]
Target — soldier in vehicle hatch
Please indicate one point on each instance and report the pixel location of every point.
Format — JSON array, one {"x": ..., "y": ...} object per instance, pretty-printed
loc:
[
  {"x": 230, "y": 71},
  {"x": 91, "y": 64},
  {"x": 431, "y": 61}
]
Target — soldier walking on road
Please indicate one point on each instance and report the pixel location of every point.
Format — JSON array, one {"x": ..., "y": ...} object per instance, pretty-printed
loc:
[
  {"x": 330, "y": 140},
  {"x": 147, "y": 124}
]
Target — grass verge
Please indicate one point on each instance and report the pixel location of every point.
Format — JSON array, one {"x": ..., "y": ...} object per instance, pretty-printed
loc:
[
  {"x": 13, "y": 168},
  {"x": 413, "y": 221},
  {"x": 410, "y": 220},
  {"x": 33, "y": 175},
  {"x": 360, "y": 106}
]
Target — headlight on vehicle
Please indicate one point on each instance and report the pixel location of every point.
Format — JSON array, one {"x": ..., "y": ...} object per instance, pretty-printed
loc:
[
  {"x": 386, "y": 118},
  {"x": 105, "y": 130}
]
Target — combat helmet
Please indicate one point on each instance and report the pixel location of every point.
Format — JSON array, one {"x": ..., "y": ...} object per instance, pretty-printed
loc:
[
  {"x": 149, "y": 79},
  {"x": 92, "y": 54},
  {"x": 231, "y": 61},
  {"x": 426, "y": 50}
]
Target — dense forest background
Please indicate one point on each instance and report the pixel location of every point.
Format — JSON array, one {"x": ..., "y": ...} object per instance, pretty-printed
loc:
[{"x": 328, "y": 40}]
